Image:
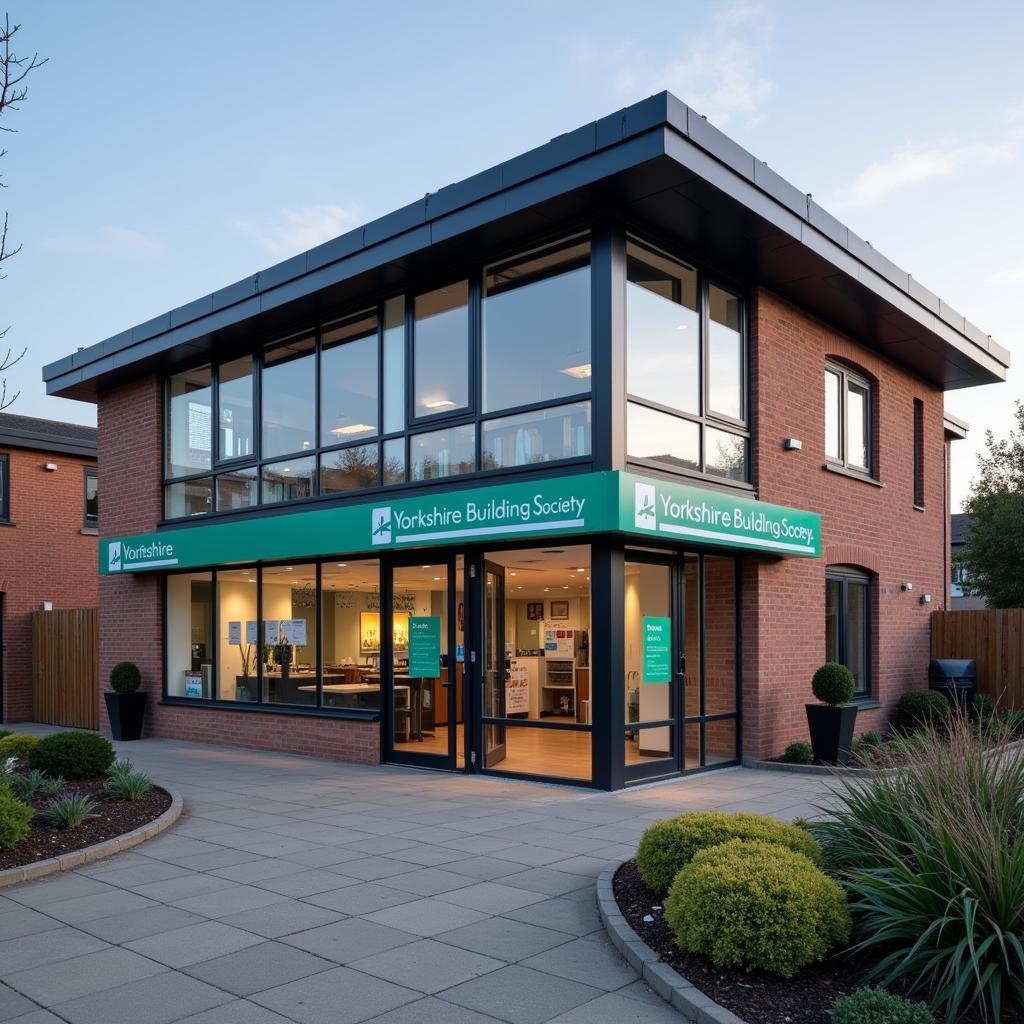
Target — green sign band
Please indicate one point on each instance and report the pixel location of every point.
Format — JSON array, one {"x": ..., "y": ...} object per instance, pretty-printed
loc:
[
  {"x": 606, "y": 502},
  {"x": 657, "y": 649}
]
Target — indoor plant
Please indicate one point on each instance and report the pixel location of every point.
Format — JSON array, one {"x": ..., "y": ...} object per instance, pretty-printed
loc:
[
  {"x": 831, "y": 722},
  {"x": 125, "y": 705}
]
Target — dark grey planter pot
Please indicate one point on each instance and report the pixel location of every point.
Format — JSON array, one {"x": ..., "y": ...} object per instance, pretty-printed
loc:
[
  {"x": 831, "y": 731},
  {"x": 126, "y": 712}
]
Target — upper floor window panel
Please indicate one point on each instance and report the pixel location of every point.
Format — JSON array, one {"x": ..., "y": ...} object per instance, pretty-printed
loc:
[
  {"x": 189, "y": 419},
  {"x": 725, "y": 354},
  {"x": 848, "y": 412},
  {"x": 441, "y": 351},
  {"x": 289, "y": 396},
  {"x": 235, "y": 410},
  {"x": 348, "y": 379},
  {"x": 91, "y": 499},
  {"x": 536, "y": 327},
  {"x": 5, "y": 488}
]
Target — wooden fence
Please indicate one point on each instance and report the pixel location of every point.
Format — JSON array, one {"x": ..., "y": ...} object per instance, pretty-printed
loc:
[
  {"x": 65, "y": 667},
  {"x": 994, "y": 639}
]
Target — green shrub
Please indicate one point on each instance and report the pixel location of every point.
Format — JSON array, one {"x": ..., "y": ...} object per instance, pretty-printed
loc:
[
  {"x": 984, "y": 705},
  {"x": 757, "y": 906},
  {"x": 670, "y": 844},
  {"x": 34, "y": 784},
  {"x": 6, "y": 732},
  {"x": 128, "y": 785},
  {"x": 918, "y": 709},
  {"x": 69, "y": 810},
  {"x": 72, "y": 754},
  {"x": 14, "y": 819},
  {"x": 1013, "y": 720},
  {"x": 833, "y": 684},
  {"x": 873, "y": 1006},
  {"x": 17, "y": 744},
  {"x": 125, "y": 677},
  {"x": 932, "y": 860},
  {"x": 871, "y": 738},
  {"x": 799, "y": 752}
]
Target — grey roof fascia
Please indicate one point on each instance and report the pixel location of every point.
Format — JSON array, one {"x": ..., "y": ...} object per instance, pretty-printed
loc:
[{"x": 40, "y": 442}]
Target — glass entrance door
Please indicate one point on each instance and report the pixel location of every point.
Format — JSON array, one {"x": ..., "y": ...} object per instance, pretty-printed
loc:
[
  {"x": 494, "y": 667},
  {"x": 422, "y": 645}
]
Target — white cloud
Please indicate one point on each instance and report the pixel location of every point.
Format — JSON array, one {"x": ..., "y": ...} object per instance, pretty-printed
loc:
[
  {"x": 718, "y": 70},
  {"x": 109, "y": 240},
  {"x": 296, "y": 230}
]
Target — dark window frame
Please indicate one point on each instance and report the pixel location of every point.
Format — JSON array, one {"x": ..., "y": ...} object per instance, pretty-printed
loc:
[
  {"x": 845, "y": 578},
  {"x": 847, "y": 377},
  {"x": 93, "y": 521},
  {"x": 919, "y": 454},
  {"x": 5, "y": 487}
]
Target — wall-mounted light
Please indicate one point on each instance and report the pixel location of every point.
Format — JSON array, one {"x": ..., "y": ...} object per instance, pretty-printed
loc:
[
  {"x": 926, "y": 599},
  {"x": 792, "y": 444},
  {"x": 47, "y": 606},
  {"x": 50, "y": 467},
  {"x": 906, "y": 587}
]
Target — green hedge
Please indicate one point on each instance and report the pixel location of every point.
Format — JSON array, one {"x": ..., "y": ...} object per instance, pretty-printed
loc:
[
  {"x": 17, "y": 744},
  {"x": 918, "y": 709},
  {"x": 875, "y": 1006},
  {"x": 15, "y": 817},
  {"x": 72, "y": 754}
]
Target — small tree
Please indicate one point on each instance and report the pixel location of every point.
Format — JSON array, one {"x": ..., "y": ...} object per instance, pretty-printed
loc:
[{"x": 993, "y": 557}]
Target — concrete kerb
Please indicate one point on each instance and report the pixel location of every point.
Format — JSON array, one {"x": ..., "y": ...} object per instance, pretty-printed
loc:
[
  {"x": 665, "y": 980},
  {"x": 75, "y": 859}
]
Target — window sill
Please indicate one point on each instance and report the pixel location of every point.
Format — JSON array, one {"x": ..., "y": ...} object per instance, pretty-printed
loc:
[
  {"x": 90, "y": 531},
  {"x": 6, "y": 522},
  {"x": 297, "y": 710},
  {"x": 866, "y": 703},
  {"x": 919, "y": 508},
  {"x": 852, "y": 474}
]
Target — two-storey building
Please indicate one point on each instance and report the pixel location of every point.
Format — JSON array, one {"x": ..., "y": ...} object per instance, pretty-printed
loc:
[{"x": 576, "y": 469}]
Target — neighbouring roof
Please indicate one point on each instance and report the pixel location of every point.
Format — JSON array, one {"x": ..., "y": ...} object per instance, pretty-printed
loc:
[
  {"x": 960, "y": 523},
  {"x": 659, "y": 163},
  {"x": 956, "y": 429},
  {"x": 47, "y": 435}
]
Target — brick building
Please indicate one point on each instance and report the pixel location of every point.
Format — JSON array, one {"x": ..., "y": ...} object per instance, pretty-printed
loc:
[
  {"x": 576, "y": 469},
  {"x": 48, "y": 538}
]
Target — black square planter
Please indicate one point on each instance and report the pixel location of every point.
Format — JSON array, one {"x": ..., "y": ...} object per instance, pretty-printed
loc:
[
  {"x": 831, "y": 729},
  {"x": 125, "y": 711}
]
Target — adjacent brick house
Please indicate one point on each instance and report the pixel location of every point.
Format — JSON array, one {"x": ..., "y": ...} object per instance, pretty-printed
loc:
[
  {"x": 48, "y": 538},
  {"x": 576, "y": 469}
]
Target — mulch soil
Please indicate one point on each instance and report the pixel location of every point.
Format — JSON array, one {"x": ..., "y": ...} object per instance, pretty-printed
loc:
[
  {"x": 755, "y": 997},
  {"x": 113, "y": 818}
]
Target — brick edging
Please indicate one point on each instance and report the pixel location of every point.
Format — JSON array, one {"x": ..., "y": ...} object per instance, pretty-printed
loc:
[
  {"x": 665, "y": 980},
  {"x": 76, "y": 858}
]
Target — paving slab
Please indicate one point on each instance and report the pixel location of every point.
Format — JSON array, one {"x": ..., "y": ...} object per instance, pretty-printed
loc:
[
  {"x": 282, "y": 918},
  {"x": 426, "y": 917},
  {"x": 258, "y": 968},
  {"x": 183, "y": 947},
  {"x": 504, "y": 938},
  {"x": 48, "y": 947},
  {"x": 82, "y": 975},
  {"x": 349, "y": 940},
  {"x": 427, "y": 966},
  {"x": 159, "y": 999}
]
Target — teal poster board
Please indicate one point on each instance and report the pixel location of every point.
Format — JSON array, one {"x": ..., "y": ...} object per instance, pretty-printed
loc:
[
  {"x": 657, "y": 649},
  {"x": 425, "y": 646}
]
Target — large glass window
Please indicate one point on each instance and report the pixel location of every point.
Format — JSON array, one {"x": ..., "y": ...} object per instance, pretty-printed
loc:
[
  {"x": 290, "y": 634},
  {"x": 235, "y": 409},
  {"x": 348, "y": 379},
  {"x": 188, "y": 498},
  {"x": 350, "y": 626},
  {"x": 848, "y": 623},
  {"x": 237, "y": 638},
  {"x": 449, "y": 452},
  {"x": 536, "y": 327},
  {"x": 559, "y": 432},
  {"x": 441, "y": 351},
  {"x": 847, "y": 418},
  {"x": 238, "y": 488},
  {"x": 189, "y": 415},
  {"x": 190, "y": 635},
  {"x": 662, "y": 438},
  {"x": 725, "y": 354},
  {"x": 289, "y": 396},
  {"x": 394, "y": 365},
  {"x": 348, "y": 469},
  {"x": 289, "y": 480}
]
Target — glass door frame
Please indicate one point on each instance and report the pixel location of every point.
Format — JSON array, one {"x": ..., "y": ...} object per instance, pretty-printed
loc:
[{"x": 405, "y": 755}]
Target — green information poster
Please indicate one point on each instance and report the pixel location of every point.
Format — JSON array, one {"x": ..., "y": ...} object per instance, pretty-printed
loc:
[
  {"x": 657, "y": 649},
  {"x": 425, "y": 646}
]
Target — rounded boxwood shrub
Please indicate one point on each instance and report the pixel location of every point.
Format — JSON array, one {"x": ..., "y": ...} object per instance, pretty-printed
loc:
[
  {"x": 125, "y": 677},
  {"x": 757, "y": 906},
  {"x": 918, "y": 709},
  {"x": 833, "y": 684},
  {"x": 72, "y": 754},
  {"x": 799, "y": 752},
  {"x": 17, "y": 744},
  {"x": 875, "y": 1006},
  {"x": 14, "y": 818},
  {"x": 670, "y": 844}
]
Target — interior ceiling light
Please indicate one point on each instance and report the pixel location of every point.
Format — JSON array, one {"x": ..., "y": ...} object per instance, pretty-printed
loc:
[
  {"x": 445, "y": 403},
  {"x": 352, "y": 428},
  {"x": 581, "y": 372}
]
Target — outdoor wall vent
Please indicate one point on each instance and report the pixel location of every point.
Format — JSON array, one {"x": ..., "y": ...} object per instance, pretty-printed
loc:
[{"x": 793, "y": 444}]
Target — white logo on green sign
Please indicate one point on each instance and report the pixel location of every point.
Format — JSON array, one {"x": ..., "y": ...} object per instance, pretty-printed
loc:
[
  {"x": 114, "y": 556},
  {"x": 644, "y": 512},
  {"x": 380, "y": 532}
]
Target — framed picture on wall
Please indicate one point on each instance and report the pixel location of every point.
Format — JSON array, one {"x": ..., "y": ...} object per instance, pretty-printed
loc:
[
  {"x": 535, "y": 610},
  {"x": 559, "y": 609}
]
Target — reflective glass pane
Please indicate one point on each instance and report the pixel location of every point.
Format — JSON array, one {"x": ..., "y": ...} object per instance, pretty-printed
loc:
[
  {"x": 857, "y": 426},
  {"x": 234, "y": 397},
  {"x": 289, "y": 480},
  {"x": 394, "y": 461},
  {"x": 661, "y": 437},
  {"x": 190, "y": 635},
  {"x": 857, "y": 640},
  {"x": 440, "y": 453},
  {"x": 833, "y": 596},
  {"x": 238, "y": 489},
  {"x": 289, "y": 400},
  {"x": 188, "y": 498},
  {"x": 289, "y": 634},
  {"x": 833, "y": 415},
  {"x": 725, "y": 354},
  {"x": 350, "y": 469},
  {"x": 92, "y": 498},
  {"x": 394, "y": 364},
  {"x": 648, "y": 595},
  {"x": 536, "y": 327},
  {"x": 531, "y": 437},
  {"x": 441, "y": 350},
  {"x": 189, "y": 399},
  {"x": 662, "y": 330},
  {"x": 238, "y": 648},
  {"x": 725, "y": 454},
  {"x": 350, "y": 624},
  {"x": 348, "y": 379},
  {"x": 649, "y": 744}
]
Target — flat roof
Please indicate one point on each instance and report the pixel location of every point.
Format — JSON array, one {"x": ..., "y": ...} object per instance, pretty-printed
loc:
[
  {"x": 47, "y": 435},
  {"x": 658, "y": 163}
]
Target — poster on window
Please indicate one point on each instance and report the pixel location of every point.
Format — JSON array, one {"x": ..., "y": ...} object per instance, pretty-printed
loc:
[
  {"x": 251, "y": 636},
  {"x": 517, "y": 689},
  {"x": 272, "y": 632},
  {"x": 234, "y": 632},
  {"x": 293, "y": 631},
  {"x": 559, "y": 642}
]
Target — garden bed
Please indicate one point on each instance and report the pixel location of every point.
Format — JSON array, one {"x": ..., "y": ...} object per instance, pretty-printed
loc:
[
  {"x": 757, "y": 997},
  {"x": 114, "y": 818}
]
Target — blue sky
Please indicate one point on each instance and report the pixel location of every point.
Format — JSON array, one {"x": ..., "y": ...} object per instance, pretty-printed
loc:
[{"x": 168, "y": 149}]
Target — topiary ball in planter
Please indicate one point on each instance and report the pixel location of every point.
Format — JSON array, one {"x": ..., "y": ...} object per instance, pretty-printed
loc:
[
  {"x": 125, "y": 677},
  {"x": 126, "y": 707},
  {"x": 833, "y": 684}
]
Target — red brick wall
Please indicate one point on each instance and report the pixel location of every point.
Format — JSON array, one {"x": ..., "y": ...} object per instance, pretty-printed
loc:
[
  {"x": 130, "y": 430},
  {"x": 876, "y": 529},
  {"x": 44, "y": 556}
]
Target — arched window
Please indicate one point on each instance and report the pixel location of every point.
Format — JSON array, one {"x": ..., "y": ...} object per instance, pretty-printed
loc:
[{"x": 848, "y": 623}]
